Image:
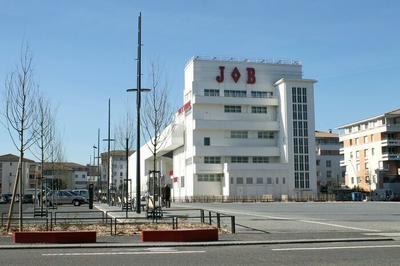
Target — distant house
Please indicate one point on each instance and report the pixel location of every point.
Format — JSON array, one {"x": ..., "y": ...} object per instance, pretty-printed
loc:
[
  {"x": 118, "y": 168},
  {"x": 69, "y": 175},
  {"x": 8, "y": 171}
]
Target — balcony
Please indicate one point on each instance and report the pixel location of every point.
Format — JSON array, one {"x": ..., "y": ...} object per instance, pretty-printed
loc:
[
  {"x": 390, "y": 142},
  {"x": 393, "y": 127},
  {"x": 341, "y": 151},
  {"x": 236, "y": 125},
  {"x": 391, "y": 156}
]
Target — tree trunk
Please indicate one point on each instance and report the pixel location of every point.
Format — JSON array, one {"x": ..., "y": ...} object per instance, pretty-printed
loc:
[{"x": 13, "y": 197}]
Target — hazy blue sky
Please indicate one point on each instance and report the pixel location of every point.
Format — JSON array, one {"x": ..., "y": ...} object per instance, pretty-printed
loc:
[{"x": 84, "y": 52}]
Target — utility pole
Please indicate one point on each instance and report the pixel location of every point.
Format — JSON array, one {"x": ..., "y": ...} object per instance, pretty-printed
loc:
[
  {"x": 108, "y": 153},
  {"x": 139, "y": 91}
]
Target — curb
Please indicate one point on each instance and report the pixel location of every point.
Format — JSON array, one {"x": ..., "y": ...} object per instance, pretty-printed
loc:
[{"x": 195, "y": 244}]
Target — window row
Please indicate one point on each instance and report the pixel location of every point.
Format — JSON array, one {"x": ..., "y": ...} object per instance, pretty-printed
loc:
[
  {"x": 299, "y": 95},
  {"x": 301, "y": 163},
  {"x": 257, "y": 180},
  {"x": 238, "y": 93},
  {"x": 299, "y": 111},
  {"x": 302, "y": 180},
  {"x": 243, "y": 134},
  {"x": 300, "y": 145},
  {"x": 237, "y": 159},
  {"x": 238, "y": 109},
  {"x": 300, "y": 129},
  {"x": 365, "y": 153},
  {"x": 328, "y": 163},
  {"x": 209, "y": 177}
]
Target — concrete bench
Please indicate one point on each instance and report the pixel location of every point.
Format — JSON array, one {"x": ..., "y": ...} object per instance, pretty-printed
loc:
[
  {"x": 55, "y": 237},
  {"x": 180, "y": 235}
]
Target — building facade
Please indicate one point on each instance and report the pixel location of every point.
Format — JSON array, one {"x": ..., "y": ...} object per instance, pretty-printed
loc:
[
  {"x": 329, "y": 173},
  {"x": 117, "y": 168},
  {"x": 8, "y": 171},
  {"x": 245, "y": 129},
  {"x": 371, "y": 150}
]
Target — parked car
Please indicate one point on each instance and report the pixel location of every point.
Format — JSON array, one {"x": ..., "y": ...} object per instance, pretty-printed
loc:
[
  {"x": 82, "y": 192},
  {"x": 64, "y": 197}
]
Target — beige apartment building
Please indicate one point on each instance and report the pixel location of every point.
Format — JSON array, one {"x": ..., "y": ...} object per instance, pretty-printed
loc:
[{"x": 371, "y": 152}]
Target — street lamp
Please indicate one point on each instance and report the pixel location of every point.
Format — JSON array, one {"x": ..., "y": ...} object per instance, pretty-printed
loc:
[
  {"x": 139, "y": 91},
  {"x": 94, "y": 158}
]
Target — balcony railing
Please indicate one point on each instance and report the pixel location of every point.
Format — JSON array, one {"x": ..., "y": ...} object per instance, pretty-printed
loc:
[
  {"x": 390, "y": 142},
  {"x": 391, "y": 156}
]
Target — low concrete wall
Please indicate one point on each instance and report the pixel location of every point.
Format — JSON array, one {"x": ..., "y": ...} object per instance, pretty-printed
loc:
[
  {"x": 62, "y": 237},
  {"x": 180, "y": 235}
]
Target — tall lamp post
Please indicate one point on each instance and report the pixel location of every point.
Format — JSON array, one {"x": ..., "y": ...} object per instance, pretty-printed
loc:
[
  {"x": 94, "y": 157},
  {"x": 108, "y": 153},
  {"x": 139, "y": 91}
]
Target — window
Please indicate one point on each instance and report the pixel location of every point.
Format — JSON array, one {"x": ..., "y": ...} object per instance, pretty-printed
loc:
[
  {"x": 318, "y": 162},
  {"x": 260, "y": 159},
  {"x": 373, "y": 151},
  {"x": 182, "y": 181},
  {"x": 120, "y": 174},
  {"x": 209, "y": 177},
  {"x": 260, "y": 180},
  {"x": 211, "y": 92},
  {"x": 351, "y": 155},
  {"x": 212, "y": 159},
  {"x": 329, "y": 174},
  {"x": 372, "y": 137},
  {"x": 269, "y": 180},
  {"x": 239, "y": 180},
  {"x": 351, "y": 142},
  {"x": 277, "y": 180},
  {"x": 357, "y": 154},
  {"x": 259, "y": 109},
  {"x": 239, "y": 159},
  {"x": 249, "y": 180},
  {"x": 283, "y": 180},
  {"x": 10, "y": 164},
  {"x": 358, "y": 167},
  {"x": 76, "y": 176},
  {"x": 207, "y": 141},
  {"x": 239, "y": 134},
  {"x": 234, "y": 93},
  {"x": 261, "y": 94},
  {"x": 352, "y": 179},
  {"x": 233, "y": 109},
  {"x": 365, "y": 139},
  {"x": 357, "y": 141},
  {"x": 328, "y": 163},
  {"x": 265, "y": 134},
  {"x": 365, "y": 153},
  {"x": 231, "y": 180}
]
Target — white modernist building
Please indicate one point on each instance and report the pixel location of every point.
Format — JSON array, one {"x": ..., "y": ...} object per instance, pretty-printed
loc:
[{"x": 245, "y": 129}]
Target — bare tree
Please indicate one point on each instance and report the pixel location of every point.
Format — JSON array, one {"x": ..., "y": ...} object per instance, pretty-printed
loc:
[
  {"x": 20, "y": 117},
  {"x": 157, "y": 117},
  {"x": 125, "y": 131},
  {"x": 44, "y": 129}
]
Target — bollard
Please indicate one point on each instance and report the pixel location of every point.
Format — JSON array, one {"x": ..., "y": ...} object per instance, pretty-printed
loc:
[
  {"x": 173, "y": 222},
  {"x": 111, "y": 227},
  {"x": 115, "y": 226},
  {"x": 209, "y": 218},
  {"x": 202, "y": 216},
  {"x": 218, "y": 220},
  {"x": 233, "y": 230}
]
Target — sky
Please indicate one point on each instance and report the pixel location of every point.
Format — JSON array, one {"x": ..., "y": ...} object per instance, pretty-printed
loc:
[{"x": 84, "y": 53}]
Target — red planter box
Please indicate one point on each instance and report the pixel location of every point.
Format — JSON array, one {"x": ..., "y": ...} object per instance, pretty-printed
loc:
[
  {"x": 55, "y": 237},
  {"x": 180, "y": 235}
]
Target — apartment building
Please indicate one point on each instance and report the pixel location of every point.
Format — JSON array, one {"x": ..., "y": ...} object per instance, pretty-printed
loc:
[
  {"x": 118, "y": 168},
  {"x": 246, "y": 128},
  {"x": 371, "y": 150},
  {"x": 329, "y": 172}
]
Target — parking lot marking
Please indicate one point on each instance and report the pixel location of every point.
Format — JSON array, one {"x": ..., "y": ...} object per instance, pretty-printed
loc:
[
  {"x": 295, "y": 219},
  {"x": 125, "y": 253},
  {"x": 334, "y": 248}
]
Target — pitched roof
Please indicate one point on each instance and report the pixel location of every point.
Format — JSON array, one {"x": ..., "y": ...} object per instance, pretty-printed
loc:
[
  {"x": 324, "y": 134},
  {"x": 13, "y": 158}
]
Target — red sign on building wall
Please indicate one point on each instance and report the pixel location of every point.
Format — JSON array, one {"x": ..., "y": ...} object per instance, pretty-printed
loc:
[{"x": 235, "y": 74}]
